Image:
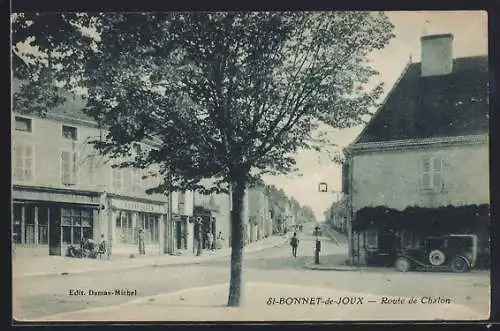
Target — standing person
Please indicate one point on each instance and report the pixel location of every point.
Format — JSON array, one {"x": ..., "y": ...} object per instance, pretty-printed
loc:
[
  {"x": 210, "y": 238},
  {"x": 294, "y": 242},
  {"x": 101, "y": 250},
  {"x": 142, "y": 249}
]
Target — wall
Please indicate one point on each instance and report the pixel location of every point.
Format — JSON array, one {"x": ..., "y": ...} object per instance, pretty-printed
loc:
[
  {"x": 391, "y": 178},
  {"x": 94, "y": 173}
]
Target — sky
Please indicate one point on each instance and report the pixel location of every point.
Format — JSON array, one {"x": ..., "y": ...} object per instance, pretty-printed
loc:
[{"x": 470, "y": 31}]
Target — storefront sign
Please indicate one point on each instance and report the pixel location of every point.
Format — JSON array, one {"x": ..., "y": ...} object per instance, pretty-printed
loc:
[
  {"x": 139, "y": 206},
  {"x": 54, "y": 197}
]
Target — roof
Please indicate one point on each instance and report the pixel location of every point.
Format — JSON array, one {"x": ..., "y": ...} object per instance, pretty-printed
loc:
[
  {"x": 73, "y": 106},
  {"x": 437, "y": 106}
]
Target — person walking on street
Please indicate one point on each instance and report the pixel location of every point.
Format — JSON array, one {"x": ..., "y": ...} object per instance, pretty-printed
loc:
[{"x": 294, "y": 242}]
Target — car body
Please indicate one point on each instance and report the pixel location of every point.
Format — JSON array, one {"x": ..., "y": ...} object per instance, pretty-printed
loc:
[{"x": 453, "y": 252}]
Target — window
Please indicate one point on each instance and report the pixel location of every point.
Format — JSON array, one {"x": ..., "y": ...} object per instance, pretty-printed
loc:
[
  {"x": 68, "y": 168},
  {"x": 23, "y": 124},
  {"x": 69, "y": 132},
  {"x": 43, "y": 225},
  {"x": 136, "y": 181},
  {"x": 410, "y": 240},
  {"x": 124, "y": 229},
  {"x": 181, "y": 202},
  {"x": 29, "y": 224},
  {"x": 75, "y": 225},
  {"x": 23, "y": 162},
  {"x": 371, "y": 240},
  {"x": 127, "y": 179},
  {"x": 149, "y": 223},
  {"x": 118, "y": 179},
  {"x": 431, "y": 174}
]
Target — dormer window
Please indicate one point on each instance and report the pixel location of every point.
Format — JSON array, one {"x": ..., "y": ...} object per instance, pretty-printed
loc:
[
  {"x": 23, "y": 124},
  {"x": 69, "y": 132}
]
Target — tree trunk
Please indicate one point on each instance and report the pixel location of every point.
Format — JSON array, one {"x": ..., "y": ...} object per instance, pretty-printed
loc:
[
  {"x": 200, "y": 238},
  {"x": 237, "y": 244}
]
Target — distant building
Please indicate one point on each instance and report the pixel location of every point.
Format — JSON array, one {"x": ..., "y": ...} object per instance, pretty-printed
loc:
[
  {"x": 424, "y": 150},
  {"x": 259, "y": 214}
]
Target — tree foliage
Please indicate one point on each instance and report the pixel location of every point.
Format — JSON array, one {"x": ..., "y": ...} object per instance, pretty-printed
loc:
[
  {"x": 224, "y": 97},
  {"x": 48, "y": 51},
  {"x": 221, "y": 92}
]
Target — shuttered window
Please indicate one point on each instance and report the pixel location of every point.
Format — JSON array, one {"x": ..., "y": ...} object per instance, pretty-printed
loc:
[
  {"x": 118, "y": 179},
  {"x": 23, "y": 162},
  {"x": 68, "y": 168},
  {"x": 431, "y": 178}
]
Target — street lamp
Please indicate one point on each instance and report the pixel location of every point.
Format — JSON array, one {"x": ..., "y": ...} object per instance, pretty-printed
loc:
[
  {"x": 318, "y": 245},
  {"x": 199, "y": 221}
]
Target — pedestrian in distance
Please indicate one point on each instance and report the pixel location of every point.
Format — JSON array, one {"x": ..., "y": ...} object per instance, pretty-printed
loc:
[
  {"x": 210, "y": 239},
  {"x": 294, "y": 242},
  {"x": 142, "y": 249}
]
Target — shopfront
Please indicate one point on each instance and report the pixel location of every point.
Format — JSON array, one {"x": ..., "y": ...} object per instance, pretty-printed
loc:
[
  {"x": 46, "y": 222},
  {"x": 129, "y": 217}
]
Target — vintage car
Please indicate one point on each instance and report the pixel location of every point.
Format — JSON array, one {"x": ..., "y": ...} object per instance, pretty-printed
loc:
[{"x": 453, "y": 252}]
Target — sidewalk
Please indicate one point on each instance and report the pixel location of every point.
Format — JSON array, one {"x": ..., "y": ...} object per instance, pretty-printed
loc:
[
  {"x": 32, "y": 266},
  {"x": 209, "y": 304},
  {"x": 334, "y": 255}
]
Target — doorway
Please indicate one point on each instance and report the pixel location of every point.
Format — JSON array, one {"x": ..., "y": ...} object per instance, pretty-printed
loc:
[{"x": 54, "y": 231}]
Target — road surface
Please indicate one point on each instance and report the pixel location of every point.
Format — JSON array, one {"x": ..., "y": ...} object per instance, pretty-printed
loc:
[{"x": 36, "y": 297}]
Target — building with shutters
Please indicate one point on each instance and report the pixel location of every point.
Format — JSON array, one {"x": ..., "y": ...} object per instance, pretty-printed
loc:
[
  {"x": 420, "y": 167},
  {"x": 63, "y": 191}
]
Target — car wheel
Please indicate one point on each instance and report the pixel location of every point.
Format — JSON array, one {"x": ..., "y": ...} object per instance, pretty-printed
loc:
[
  {"x": 436, "y": 257},
  {"x": 402, "y": 264},
  {"x": 459, "y": 264}
]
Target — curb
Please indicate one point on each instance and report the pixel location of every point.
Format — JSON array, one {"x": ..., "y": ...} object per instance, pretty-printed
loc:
[
  {"x": 131, "y": 267},
  {"x": 332, "y": 268}
]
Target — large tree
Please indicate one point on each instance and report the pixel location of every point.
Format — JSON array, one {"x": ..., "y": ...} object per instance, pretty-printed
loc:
[{"x": 228, "y": 97}]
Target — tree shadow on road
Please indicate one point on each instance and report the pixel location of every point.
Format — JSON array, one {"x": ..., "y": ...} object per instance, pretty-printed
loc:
[{"x": 277, "y": 263}]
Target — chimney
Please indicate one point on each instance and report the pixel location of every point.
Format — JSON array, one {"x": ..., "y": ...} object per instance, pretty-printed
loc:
[{"x": 437, "y": 54}]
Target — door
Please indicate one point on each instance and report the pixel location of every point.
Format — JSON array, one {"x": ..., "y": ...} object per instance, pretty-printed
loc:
[
  {"x": 54, "y": 231},
  {"x": 178, "y": 234}
]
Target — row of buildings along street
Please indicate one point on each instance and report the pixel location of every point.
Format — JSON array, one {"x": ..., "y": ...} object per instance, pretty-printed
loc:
[{"x": 64, "y": 192}]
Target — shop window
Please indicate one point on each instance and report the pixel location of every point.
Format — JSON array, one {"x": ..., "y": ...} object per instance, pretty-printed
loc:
[
  {"x": 150, "y": 224},
  {"x": 29, "y": 224},
  {"x": 23, "y": 162},
  {"x": 124, "y": 228},
  {"x": 43, "y": 225},
  {"x": 76, "y": 224},
  {"x": 371, "y": 237}
]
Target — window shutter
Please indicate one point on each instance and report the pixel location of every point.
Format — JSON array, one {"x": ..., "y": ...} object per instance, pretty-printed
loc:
[
  {"x": 426, "y": 173},
  {"x": 438, "y": 173},
  {"x": 18, "y": 162},
  {"x": 74, "y": 168},
  {"x": 345, "y": 178},
  {"x": 28, "y": 163},
  {"x": 117, "y": 179},
  {"x": 65, "y": 168}
]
